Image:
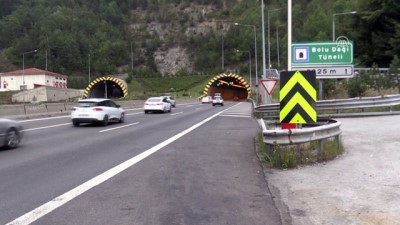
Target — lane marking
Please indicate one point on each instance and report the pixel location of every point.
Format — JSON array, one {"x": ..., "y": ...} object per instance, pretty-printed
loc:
[
  {"x": 40, "y": 128},
  {"x": 231, "y": 115},
  {"x": 174, "y": 114},
  {"x": 114, "y": 128},
  {"x": 56, "y": 117},
  {"x": 48, "y": 207},
  {"x": 133, "y": 113}
]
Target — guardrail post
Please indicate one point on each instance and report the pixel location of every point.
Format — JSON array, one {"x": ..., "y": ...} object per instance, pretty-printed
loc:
[
  {"x": 337, "y": 140},
  {"x": 319, "y": 146}
]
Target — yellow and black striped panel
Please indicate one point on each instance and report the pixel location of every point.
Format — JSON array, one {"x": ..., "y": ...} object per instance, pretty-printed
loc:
[
  {"x": 298, "y": 97},
  {"x": 219, "y": 76},
  {"x": 117, "y": 81}
]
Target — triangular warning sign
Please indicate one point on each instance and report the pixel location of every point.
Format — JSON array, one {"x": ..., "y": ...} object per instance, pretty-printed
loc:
[{"x": 269, "y": 85}]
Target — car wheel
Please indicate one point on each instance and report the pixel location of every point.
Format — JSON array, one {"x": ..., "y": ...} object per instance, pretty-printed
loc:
[
  {"x": 145, "y": 111},
  {"x": 213, "y": 104},
  {"x": 222, "y": 104},
  {"x": 75, "y": 124},
  {"x": 169, "y": 110},
  {"x": 105, "y": 121},
  {"x": 13, "y": 139},
  {"x": 122, "y": 118}
]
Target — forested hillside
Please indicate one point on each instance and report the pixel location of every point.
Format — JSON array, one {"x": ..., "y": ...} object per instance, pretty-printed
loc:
[{"x": 166, "y": 37}]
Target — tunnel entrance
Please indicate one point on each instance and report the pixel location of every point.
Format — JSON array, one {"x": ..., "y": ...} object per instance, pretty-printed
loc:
[
  {"x": 231, "y": 86},
  {"x": 106, "y": 87}
]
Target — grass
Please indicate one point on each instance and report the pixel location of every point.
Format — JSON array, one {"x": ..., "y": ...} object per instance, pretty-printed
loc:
[{"x": 284, "y": 157}]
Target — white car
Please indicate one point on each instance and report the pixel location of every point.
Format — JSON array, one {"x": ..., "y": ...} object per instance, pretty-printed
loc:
[
  {"x": 97, "y": 110},
  {"x": 206, "y": 99},
  {"x": 157, "y": 104},
  {"x": 170, "y": 99},
  {"x": 218, "y": 100}
]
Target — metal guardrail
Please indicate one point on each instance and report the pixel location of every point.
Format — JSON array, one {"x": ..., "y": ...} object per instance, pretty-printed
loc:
[
  {"x": 342, "y": 104},
  {"x": 296, "y": 137},
  {"x": 272, "y": 135}
]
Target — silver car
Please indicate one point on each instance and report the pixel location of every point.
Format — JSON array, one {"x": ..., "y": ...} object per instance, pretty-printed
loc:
[
  {"x": 10, "y": 133},
  {"x": 157, "y": 104},
  {"x": 97, "y": 110}
]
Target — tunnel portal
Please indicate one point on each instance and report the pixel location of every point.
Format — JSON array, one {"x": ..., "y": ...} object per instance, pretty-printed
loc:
[
  {"x": 231, "y": 86},
  {"x": 106, "y": 87}
]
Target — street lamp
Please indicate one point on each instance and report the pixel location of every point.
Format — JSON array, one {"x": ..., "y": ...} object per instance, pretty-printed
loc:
[
  {"x": 269, "y": 39},
  {"x": 333, "y": 21},
  {"x": 23, "y": 67},
  {"x": 89, "y": 69},
  {"x": 249, "y": 62},
  {"x": 255, "y": 47}
]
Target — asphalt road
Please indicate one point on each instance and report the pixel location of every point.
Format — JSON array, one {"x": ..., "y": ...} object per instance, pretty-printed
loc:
[{"x": 196, "y": 165}]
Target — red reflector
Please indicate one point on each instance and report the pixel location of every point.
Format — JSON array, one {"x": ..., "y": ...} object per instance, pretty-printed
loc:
[
  {"x": 288, "y": 125},
  {"x": 73, "y": 109},
  {"x": 159, "y": 104},
  {"x": 97, "y": 109}
]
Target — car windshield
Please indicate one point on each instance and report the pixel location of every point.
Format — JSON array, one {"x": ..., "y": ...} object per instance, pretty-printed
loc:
[{"x": 86, "y": 104}]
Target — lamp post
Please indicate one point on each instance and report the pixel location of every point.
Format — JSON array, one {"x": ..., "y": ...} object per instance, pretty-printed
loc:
[
  {"x": 23, "y": 68},
  {"x": 277, "y": 45},
  {"x": 269, "y": 39},
  {"x": 249, "y": 62},
  {"x": 255, "y": 48},
  {"x": 333, "y": 21},
  {"x": 222, "y": 48},
  {"x": 89, "y": 70}
]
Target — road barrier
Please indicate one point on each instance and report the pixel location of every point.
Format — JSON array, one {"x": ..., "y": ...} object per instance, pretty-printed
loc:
[
  {"x": 320, "y": 132},
  {"x": 337, "y": 105},
  {"x": 274, "y": 135}
]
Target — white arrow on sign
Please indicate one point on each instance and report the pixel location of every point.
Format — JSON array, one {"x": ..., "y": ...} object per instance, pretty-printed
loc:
[{"x": 269, "y": 85}]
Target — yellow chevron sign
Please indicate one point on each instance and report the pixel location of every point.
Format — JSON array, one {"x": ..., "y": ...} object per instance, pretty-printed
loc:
[{"x": 298, "y": 97}]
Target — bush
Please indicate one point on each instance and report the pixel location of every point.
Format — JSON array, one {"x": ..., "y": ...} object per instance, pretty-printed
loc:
[{"x": 290, "y": 156}]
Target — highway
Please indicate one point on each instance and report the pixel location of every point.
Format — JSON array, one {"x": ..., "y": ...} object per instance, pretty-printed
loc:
[{"x": 195, "y": 165}]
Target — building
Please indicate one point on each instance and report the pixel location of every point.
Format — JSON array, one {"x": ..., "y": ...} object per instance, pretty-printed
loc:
[{"x": 31, "y": 78}]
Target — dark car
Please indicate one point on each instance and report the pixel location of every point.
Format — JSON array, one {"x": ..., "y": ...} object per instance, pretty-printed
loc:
[{"x": 10, "y": 133}]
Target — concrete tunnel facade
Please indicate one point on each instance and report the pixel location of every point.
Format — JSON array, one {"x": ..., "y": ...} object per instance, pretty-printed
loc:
[
  {"x": 231, "y": 86},
  {"x": 106, "y": 87}
]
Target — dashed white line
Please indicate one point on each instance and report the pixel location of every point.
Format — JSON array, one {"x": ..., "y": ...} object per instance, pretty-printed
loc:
[
  {"x": 40, "y": 128},
  {"x": 174, "y": 114},
  {"x": 114, "y": 128},
  {"x": 56, "y": 117},
  {"x": 129, "y": 114}
]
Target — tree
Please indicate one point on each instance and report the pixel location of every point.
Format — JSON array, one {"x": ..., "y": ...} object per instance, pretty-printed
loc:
[{"x": 394, "y": 73}]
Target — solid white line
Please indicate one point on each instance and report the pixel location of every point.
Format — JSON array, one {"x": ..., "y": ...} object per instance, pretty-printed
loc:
[
  {"x": 173, "y": 114},
  {"x": 46, "y": 208},
  {"x": 231, "y": 115},
  {"x": 40, "y": 128},
  {"x": 114, "y": 128}
]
